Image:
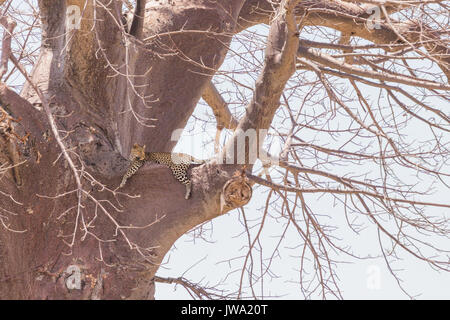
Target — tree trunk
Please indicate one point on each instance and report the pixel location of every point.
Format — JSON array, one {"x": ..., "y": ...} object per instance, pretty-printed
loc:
[{"x": 99, "y": 117}]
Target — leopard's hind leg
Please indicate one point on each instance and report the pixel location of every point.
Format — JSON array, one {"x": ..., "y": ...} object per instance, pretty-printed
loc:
[{"x": 181, "y": 174}]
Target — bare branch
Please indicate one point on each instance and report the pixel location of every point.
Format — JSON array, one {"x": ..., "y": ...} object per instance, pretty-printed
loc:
[
  {"x": 9, "y": 26},
  {"x": 223, "y": 115},
  {"x": 327, "y": 60}
]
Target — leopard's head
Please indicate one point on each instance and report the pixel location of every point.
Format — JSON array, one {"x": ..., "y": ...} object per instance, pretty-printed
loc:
[{"x": 137, "y": 152}]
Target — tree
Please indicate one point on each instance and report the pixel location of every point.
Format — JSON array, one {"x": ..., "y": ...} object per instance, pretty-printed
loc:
[{"x": 113, "y": 73}]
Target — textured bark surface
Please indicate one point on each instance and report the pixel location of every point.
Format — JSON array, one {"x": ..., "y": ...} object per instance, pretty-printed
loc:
[{"x": 87, "y": 101}]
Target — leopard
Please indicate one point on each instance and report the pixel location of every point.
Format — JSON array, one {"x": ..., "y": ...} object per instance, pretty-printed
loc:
[
  {"x": 137, "y": 160},
  {"x": 178, "y": 163}
]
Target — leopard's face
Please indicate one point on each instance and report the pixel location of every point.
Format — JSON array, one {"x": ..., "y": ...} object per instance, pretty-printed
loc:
[{"x": 137, "y": 152}]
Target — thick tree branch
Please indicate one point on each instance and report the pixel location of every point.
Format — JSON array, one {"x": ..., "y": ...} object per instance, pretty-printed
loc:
[
  {"x": 47, "y": 74},
  {"x": 224, "y": 118},
  {"x": 32, "y": 119},
  {"x": 352, "y": 18},
  {"x": 9, "y": 26},
  {"x": 279, "y": 65},
  {"x": 52, "y": 14},
  {"x": 197, "y": 45}
]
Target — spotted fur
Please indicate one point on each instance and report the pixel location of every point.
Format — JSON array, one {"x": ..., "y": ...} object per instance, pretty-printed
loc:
[{"x": 177, "y": 162}]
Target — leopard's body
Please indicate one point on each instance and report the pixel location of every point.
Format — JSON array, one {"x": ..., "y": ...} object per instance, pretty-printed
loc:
[{"x": 177, "y": 162}]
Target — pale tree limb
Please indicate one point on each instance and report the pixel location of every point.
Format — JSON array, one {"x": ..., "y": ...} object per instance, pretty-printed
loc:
[
  {"x": 9, "y": 26},
  {"x": 279, "y": 66},
  {"x": 224, "y": 118}
]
